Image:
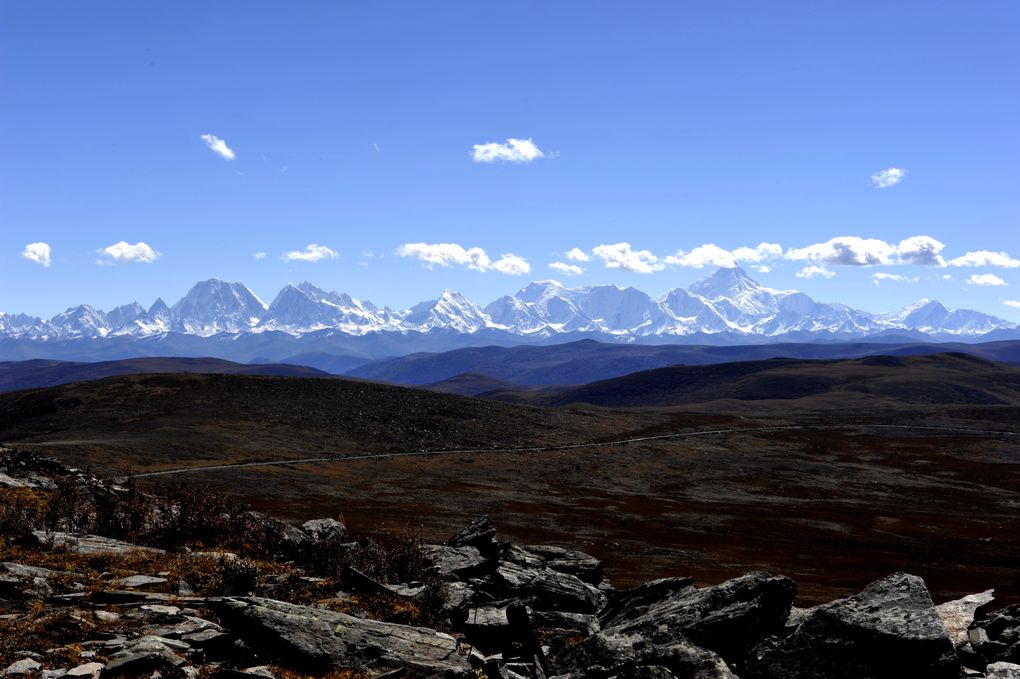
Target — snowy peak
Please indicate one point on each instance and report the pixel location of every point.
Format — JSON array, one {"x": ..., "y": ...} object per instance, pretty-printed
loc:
[
  {"x": 452, "y": 310},
  {"x": 728, "y": 283},
  {"x": 216, "y": 306},
  {"x": 81, "y": 321}
]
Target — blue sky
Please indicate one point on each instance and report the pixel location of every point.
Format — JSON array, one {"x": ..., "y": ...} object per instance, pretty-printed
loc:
[{"x": 362, "y": 128}]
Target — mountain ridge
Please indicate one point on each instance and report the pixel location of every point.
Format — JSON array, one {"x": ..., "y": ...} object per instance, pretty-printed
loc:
[{"x": 728, "y": 307}]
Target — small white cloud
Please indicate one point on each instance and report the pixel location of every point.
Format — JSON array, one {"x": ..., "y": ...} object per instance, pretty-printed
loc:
[
  {"x": 312, "y": 253},
  {"x": 446, "y": 254},
  {"x": 921, "y": 250},
  {"x": 566, "y": 269},
  {"x": 814, "y": 271},
  {"x": 138, "y": 253},
  {"x": 986, "y": 258},
  {"x": 1013, "y": 303},
  {"x": 512, "y": 265},
  {"x": 218, "y": 146},
  {"x": 846, "y": 251},
  {"x": 947, "y": 276},
  {"x": 40, "y": 253},
  {"x": 513, "y": 151},
  {"x": 710, "y": 254},
  {"x": 763, "y": 268},
  {"x": 622, "y": 256},
  {"x": 577, "y": 255},
  {"x": 259, "y": 255},
  {"x": 988, "y": 279},
  {"x": 890, "y": 176},
  {"x": 878, "y": 278}
]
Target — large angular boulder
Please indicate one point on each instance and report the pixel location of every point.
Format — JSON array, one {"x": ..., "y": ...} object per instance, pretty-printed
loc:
[
  {"x": 628, "y": 604},
  {"x": 584, "y": 566},
  {"x": 480, "y": 534},
  {"x": 547, "y": 589},
  {"x": 729, "y": 618},
  {"x": 890, "y": 630},
  {"x": 616, "y": 653},
  {"x": 321, "y": 640}
]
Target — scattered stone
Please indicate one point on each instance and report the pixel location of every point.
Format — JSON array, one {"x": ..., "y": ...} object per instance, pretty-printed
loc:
[
  {"x": 631, "y": 603},
  {"x": 144, "y": 583},
  {"x": 138, "y": 664},
  {"x": 92, "y": 669},
  {"x": 23, "y": 667},
  {"x": 89, "y": 544},
  {"x": 159, "y": 609},
  {"x": 890, "y": 630},
  {"x": 322, "y": 640}
]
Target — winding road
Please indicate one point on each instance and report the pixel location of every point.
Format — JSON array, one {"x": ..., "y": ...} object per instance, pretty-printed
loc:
[{"x": 549, "y": 449}]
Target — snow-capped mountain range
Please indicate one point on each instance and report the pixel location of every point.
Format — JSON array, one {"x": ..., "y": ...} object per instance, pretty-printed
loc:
[{"x": 727, "y": 303}]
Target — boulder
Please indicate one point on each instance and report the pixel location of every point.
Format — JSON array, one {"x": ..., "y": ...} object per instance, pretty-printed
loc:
[
  {"x": 890, "y": 630},
  {"x": 728, "y": 619},
  {"x": 616, "y": 653},
  {"x": 628, "y": 604},
  {"x": 480, "y": 534},
  {"x": 548, "y": 589},
  {"x": 584, "y": 566},
  {"x": 322, "y": 640},
  {"x": 456, "y": 563},
  {"x": 959, "y": 615},
  {"x": 996, "y": 636},
  {"x": 325, "y": 530},
  {"x": 1002, "y": 670}
]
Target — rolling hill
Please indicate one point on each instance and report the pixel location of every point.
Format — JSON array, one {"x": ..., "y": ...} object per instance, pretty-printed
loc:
[
  {"x": 587, "y": 361},
  {"x": 949, "y": 379},
  {"x": 36, "y": 373}
]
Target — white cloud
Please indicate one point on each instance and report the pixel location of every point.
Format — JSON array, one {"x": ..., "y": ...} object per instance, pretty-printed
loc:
[
  {"x": 985, "y": 279},
  {"x": 846, "y": 250},
  {"x": 40, "y": 253},
  {"x": 577, "y": 255},
  {"x": 710, "y": 254},
  {"x": 986, "y": 258},
  {"x": 259, "y": 255},
  {"x": 312, "y": 253},
  {"x": 890, "y": 176},
  {"x": 1013, "y": 303},
  {"x": 566, "y": 269},
  {"x": 947, "y": 276},
  {"x": 513, "y": 151},
  {"x": 815, "y": 272},
  {"x": 446, "y": 254},
  {"x": 512, "y": 265},
  {"x": 139, "y": 253},
  {"x": 764, "y": 268},
  {"x": 622, "y": 256},
  {"x": 893, "y": 278},
  {"x": 921, "y": 250},
  {"x": 218, "y": 146}
]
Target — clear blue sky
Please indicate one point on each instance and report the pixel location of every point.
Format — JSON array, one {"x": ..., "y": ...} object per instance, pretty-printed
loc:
[{"x": 665, "y": 125}]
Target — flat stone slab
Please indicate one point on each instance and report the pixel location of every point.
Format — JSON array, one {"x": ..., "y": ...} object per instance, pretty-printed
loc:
[{"x": 322, "y": 640}]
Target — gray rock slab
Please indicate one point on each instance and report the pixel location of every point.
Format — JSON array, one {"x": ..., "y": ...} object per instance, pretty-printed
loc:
[
  {"x": 958, "y": 615},
  {"x": 322, "y": 640},
  {"x": 890, "y": 630}
]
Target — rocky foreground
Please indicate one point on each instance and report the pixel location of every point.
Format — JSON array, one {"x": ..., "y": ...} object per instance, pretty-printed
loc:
[{"x": 206, "y": 588}]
